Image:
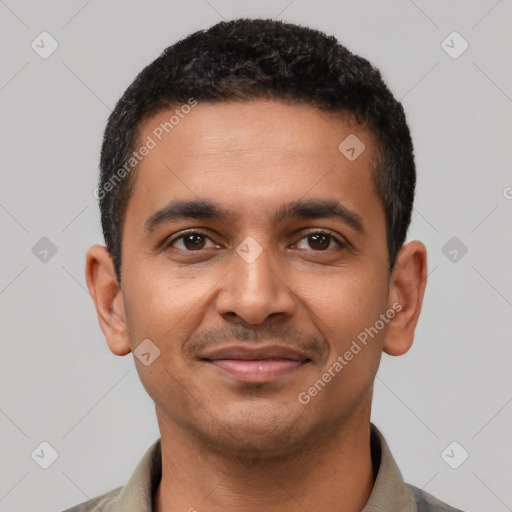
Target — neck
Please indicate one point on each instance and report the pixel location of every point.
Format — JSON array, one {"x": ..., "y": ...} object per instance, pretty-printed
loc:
[{"x": 334, "y": 472}]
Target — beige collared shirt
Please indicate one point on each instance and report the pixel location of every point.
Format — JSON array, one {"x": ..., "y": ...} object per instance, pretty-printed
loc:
[{"x": 390, "y": 493}]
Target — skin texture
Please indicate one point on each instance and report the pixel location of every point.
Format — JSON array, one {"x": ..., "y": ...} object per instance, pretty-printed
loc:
[{"x": 234, "y": 445}]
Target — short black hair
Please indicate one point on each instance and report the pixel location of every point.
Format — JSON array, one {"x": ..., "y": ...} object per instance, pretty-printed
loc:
[{"x": 246, "y": 59}]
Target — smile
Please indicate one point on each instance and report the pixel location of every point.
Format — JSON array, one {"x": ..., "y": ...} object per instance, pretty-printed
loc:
[{"x": 258, "y": 370}]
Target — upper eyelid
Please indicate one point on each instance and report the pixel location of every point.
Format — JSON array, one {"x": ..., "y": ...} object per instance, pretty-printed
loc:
[
  {"x": 339, "y": 239},
  {"x": 192, "y": 231},
  {"x": 325, "y": 231}
]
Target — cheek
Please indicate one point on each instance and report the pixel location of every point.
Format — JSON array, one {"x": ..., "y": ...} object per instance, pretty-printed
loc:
[
  {"x": 344, "y": 303},
  {"x": 345, "y": 308},
  {"x": 159, "y": 302},
  {"x": 164, "y": 309}
]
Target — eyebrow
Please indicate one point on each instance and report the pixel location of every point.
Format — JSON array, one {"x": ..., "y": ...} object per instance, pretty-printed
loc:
[{"x": 205, "y": 209}]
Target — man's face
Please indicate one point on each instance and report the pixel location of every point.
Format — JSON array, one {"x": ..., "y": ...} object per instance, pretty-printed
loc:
[{"x": 196, "y": 294}]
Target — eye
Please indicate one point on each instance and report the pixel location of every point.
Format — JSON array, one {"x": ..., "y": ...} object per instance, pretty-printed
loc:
[
  {"x": 195, "y": 240},
  {"x": 191, "y": 241},
  {"x": 321, "y": 241}
]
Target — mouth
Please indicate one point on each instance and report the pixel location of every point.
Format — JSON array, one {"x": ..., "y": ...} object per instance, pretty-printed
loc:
[
  {"x": 258, "y": 370},
  {"x": 257, "y": 365}
]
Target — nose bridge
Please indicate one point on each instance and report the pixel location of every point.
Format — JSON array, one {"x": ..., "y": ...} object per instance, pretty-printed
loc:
[
  {"x": 253, "y": 288},
  {"x": 254, "y": 267}
]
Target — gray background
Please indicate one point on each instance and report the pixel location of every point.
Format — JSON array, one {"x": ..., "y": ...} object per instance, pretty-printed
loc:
[{"x": 60, "y": 382}]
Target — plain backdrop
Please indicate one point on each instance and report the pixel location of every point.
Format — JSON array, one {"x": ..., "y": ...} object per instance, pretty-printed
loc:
[{"x": 61, "y": 385}]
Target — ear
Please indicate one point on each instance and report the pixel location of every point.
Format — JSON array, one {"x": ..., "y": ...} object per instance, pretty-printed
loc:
[
  {"x": 407, "y": 288},
  {"x": 108, "y": 299}
]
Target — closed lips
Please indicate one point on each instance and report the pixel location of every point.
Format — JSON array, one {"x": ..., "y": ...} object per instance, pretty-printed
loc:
[{"x": 264, "y": 353}]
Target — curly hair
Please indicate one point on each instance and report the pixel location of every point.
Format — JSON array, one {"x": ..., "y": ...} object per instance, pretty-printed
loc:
[{"x": 246, "y": 59}]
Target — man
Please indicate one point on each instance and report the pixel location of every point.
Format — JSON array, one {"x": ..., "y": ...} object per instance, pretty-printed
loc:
[{"x": 257, "y": 181}]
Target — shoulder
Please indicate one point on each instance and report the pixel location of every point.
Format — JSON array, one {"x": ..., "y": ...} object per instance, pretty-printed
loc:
[
  {"x": 428, "y": 503},
  {"x": 102, "y": 503}
]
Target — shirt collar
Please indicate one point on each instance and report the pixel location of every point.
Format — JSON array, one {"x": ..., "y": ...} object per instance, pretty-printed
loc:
[
  {"x": 137, "y": 494},
  {"x": 389, "y": 494}
]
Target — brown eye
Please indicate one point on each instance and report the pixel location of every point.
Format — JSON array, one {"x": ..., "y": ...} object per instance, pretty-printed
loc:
[
  {"x": 320, "y": 241},
  {"x": 191, "y": 241}
]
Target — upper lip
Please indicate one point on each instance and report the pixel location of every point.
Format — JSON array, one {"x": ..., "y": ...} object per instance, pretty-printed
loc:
[{"x": 245, "y": 353}]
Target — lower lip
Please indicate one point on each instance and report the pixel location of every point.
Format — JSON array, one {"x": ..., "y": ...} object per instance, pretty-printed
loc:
[{"x": 261, "y": 370}]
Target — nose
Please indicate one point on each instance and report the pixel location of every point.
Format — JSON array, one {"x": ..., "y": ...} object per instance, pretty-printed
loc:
[{"x": 255, "y": 290}]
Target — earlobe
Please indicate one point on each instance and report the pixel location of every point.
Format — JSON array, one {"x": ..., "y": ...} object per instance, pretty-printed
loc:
[
  {"x": 107, "y": 297},
  {"x": 407, "y": 290}
]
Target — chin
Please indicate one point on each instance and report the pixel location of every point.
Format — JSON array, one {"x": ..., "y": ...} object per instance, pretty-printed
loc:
[{"x": 259, "y": 435}]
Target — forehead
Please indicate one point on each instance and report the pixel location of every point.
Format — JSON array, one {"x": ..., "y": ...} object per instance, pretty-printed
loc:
[
  {"x": 248, "y": 155},
  {"x": 214, "y": 130}
]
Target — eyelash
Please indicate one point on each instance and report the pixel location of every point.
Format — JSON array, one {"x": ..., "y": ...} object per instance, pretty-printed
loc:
[{"x": 199, "y": 232}]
